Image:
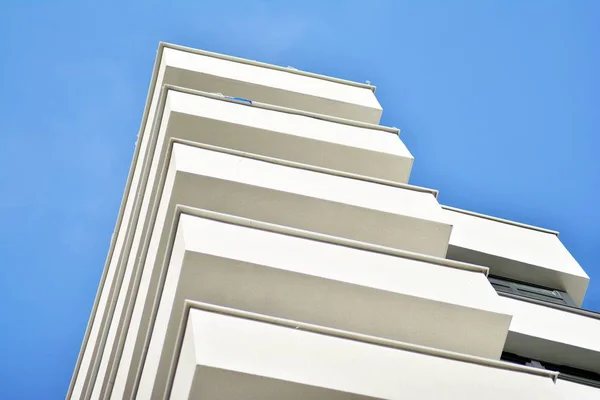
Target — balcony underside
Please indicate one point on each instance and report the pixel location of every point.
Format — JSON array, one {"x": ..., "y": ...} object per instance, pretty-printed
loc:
[
  {"x": 577, "y": 391},
  {"x": 310, "y": 201},
  {"x": 349, "y": 208},
  {"x": 552, "y": 334},
  {"x": 324, "y": 284},
  {"x": 515, "y": 251},
  {"x": 264, "y": 358},
  {"x": 202, "y": 71},
  {"x": 204, "y": 118},
  {"x": 281, "y": 87}
]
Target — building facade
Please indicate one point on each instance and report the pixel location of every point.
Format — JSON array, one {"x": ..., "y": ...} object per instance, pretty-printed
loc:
[{"x": 269, "y": 246}]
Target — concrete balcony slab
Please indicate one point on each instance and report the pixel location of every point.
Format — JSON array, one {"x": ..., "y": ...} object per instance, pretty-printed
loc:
[
  {"x": 440, "y": 305},
  {"x": 224, "y": 356},
  {"x": 516, "y": 251},
  {"x": 350, "y": 209},
  {"x": 553, "y": 333}
]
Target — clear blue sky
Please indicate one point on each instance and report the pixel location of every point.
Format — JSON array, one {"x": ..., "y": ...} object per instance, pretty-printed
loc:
[{"x": 499, "y": 101}]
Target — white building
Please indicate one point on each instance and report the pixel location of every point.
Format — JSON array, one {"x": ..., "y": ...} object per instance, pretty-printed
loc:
[{"x": 269, "y": 246}]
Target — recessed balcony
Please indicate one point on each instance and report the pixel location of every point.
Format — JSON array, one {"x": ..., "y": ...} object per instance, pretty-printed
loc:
[
  {"x": 553, "y": 333},
  {"x": 516, "y": 251}
]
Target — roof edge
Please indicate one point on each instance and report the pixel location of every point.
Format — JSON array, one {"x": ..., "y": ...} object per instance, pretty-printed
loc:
[{"x": 266, "y": 65}]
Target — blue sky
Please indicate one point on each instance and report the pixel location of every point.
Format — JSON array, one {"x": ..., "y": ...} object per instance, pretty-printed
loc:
[{"x": 499, "y": 102}]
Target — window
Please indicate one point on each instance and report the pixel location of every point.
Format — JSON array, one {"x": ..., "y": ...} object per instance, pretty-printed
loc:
[{"x": 503, "y": 285}]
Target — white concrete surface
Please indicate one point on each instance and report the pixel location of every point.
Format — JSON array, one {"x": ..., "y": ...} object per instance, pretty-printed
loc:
[
  {"x": 354, "y": 209},
  {"x": 553, "y": 335},
  {"x": 196, "y": 70},
  {"x": 201, "y": 71},
  {"x": 323, "y": 284},
  {"x": 573, "y": 391},
  {"x": 461, "y": 309},
  {"x": 97, "y": 328},
  {"x": 129, "y": 363},
  {"x": 190, "y": 183},
  {"x": 236, "y": 358},
  {"x": 222, "y": 123},
  {"x": 516, "y": 252},
  {"x": 369, "y": 151}
]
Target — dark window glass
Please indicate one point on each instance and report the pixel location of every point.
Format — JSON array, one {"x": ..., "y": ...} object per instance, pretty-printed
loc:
[
  {"x": 531, "y": 291},
  {"x": 565, "y": 372}
]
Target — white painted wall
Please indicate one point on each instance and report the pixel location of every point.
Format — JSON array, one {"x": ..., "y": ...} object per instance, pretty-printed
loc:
[
  {"x": 269, "y": 352},
  {"x": 186, "y": 368},
  {"x": 577, "y": 391},
  {"x": 210, "y": 74}
]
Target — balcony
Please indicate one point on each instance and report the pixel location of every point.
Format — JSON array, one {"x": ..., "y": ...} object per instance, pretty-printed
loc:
[
  {"x": 367, "y": 150},
  {"x": 360, "y": 212},
  {"x": 342, "y": 112},
  {"x": 240, "y": 356},
  {"x": 370, "y": 154},
  {"x": 265, "y": 83},
  {"x": 236, "y": 263},
  {"x": 364, "y": 153},
  {"x": 553, "y": 333},
  {"x": 515, "y": 251},
  {"x": 399, "y": 218}
]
